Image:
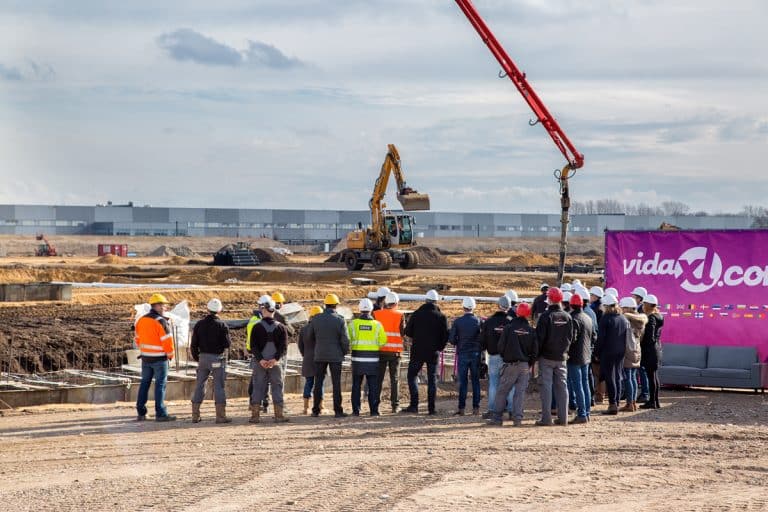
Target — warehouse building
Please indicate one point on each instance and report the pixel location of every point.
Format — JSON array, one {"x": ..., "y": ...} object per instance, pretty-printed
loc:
[{"x": 317, "y": 226}]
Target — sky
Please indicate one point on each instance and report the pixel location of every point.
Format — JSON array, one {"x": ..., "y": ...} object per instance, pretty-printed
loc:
[{"x": 291, "y": 104}]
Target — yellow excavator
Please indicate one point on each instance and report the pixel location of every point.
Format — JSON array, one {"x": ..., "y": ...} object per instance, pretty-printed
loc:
[{"x": 390, "y": 235}]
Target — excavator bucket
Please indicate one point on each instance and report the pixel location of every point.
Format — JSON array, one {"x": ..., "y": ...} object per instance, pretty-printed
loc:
[{"x": 413, "y": 201}]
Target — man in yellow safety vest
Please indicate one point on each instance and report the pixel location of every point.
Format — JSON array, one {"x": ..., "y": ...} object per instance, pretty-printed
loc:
[{"x": 366, "y": 337}]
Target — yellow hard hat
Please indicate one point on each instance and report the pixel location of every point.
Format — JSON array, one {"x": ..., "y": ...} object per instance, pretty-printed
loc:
[
  {"x": 314, "y": 310},
  {"x": 158, "y": 298},
  {"x": 331, "y": 299},
  {"x": 278, "y": 297}
]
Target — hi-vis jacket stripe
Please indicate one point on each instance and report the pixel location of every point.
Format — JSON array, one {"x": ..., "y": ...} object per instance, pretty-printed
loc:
[{"x": 391, "y": 319}]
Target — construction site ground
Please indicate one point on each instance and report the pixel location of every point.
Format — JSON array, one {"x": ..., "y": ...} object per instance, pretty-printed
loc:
[{"x": 703, "y": 450}]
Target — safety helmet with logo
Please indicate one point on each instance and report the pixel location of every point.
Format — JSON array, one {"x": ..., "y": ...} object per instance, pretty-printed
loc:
[
  {"x": 314, "y": 310},
  {"x": 651, "y": 299},
  {"x": 331, "y": 300},
  {"x": 640, "y": 292},
  {"x": 158, "y": 298},
  {"x": 609, "y": 300},
  {"x": 523, "y": 310},
  {"x": 366, "y": 305},
  {"x": 433, "y": 295},
  {"x": 576, "y": 300},
  {"x": 215, "y": 306},
  {"x": 468, "y": 303},
  {"x": 512, "y": 295},
  {"x": 554, "y": 295},
  {"x": 391, "y": 298},
  {"x": 628, "y": 302},
  {"x": 278, "y": 297},
  {"x": 382, "y": 292},
  {"x": 596, "y": 291}
]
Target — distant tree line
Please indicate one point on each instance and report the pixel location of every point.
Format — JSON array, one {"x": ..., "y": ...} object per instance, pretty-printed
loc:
[{"x": 759, "y": 214}]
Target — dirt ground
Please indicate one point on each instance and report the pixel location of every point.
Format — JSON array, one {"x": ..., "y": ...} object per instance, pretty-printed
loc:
[{"x": 702, "y": 451}]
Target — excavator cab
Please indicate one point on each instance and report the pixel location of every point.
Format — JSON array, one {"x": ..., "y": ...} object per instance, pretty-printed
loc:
[{"x": 399, "y": 229}]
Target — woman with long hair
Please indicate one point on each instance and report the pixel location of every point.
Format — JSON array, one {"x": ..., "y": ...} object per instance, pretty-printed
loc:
[
  {"x": 650, "y": 347},
  {"x": 632, "y": 357}
]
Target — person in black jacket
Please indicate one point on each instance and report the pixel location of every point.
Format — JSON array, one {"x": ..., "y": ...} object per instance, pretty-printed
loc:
[
  {"x": 650, "y": 349},
  {"x": 579, "y": 357},
  {"x": 518, "y": 348},
  {"x": 269, "y": 343},
  {"x": 490, "y": 333},
  {"x": 428, "y": 330},
  {"x": 555, "y": 334},
  {"x": 540, "y": 303},
  {"x": 210, "y": 342},
  {"x": 611, "y": 346}
]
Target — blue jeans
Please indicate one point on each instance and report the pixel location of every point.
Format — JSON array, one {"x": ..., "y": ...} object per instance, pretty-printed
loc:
[
  {"x": 630, "y": 377},
  {"x": 469, "y": 362},
  {"x": 578, "y": 383},
  {"x": 644, "y": 387},
  {"x": 158, "y": 371},
  {"x": 414, "y": 367},
  {"x": 309, "y": 383},
  {"x": 495, "y": 362}
]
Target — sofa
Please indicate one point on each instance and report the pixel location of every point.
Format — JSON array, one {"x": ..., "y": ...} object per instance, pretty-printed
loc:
[{"x": 715, "y": 366}]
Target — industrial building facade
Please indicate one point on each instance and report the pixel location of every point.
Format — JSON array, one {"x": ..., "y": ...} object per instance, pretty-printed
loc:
[{"x": 316, "y": 226}]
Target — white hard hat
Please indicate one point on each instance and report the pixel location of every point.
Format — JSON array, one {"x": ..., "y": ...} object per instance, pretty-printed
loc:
[
  {"x": 382, "y": 292},
  {"x": 609, "y": 300},
  {"x": 267, "y": 302},
  {"x": 612, "y": 291},
  {"x": 583, "y": 293},
  {"x": 576, "y": 282},
  {"x": 468, "y": 303},
  {"x": 512, "y": 296},
  {"x": 651, "y": 299},
  {"x": 504, "y": 302},
  {"x": 567, "y": 296},
  {"x": 366, "y": 305},
  {"x": 566, "y": 287},
  {"x": 433, "y": 295},
  {"x": 543, "y": 285},
  {"x": 391, "y": 298},
  {"x": 214, "y": 305},
  {"x": 596, "y": 291},
  {"x": 640, "y": 292},
  {"x": 627, "y": 302}
]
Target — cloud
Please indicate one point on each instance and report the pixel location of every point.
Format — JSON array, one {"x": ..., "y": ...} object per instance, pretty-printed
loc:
[
  {"x": 7, "y": 73},
  {"x": 186, "y": 44}
]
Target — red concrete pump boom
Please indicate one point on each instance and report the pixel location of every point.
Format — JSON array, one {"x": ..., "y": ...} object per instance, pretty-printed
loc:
[{"x": 561, "y": 140}]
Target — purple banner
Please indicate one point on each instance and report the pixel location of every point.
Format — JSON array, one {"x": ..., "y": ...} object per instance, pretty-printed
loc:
[{"x": 712, "y": 286}]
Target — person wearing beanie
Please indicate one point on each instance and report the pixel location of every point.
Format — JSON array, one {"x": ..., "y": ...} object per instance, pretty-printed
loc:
[{"x": 579, "y": 357}]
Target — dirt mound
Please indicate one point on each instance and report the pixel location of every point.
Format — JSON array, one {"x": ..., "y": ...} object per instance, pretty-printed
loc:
[
  {"x": 530, "y": 259},
  {"x": 428, "y": 255},
  {"x": 177, "y": 260},
  {"x": 110, "y": 259},
  {"x": 269, "y": 256},
  {"x": 180, "y": 250},
  {"x": 333, "y": 258}
]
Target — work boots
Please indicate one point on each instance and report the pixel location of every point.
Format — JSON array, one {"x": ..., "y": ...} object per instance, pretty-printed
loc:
[
  {"x": 255, "y": 412},
  {"x": 221, "y": 414},
  {"x": 195, "y": 413},
  {"x": 279, "y": 416},
  {"x": 613, "y": 410},
  {"x": 627, "y": 407},
  {"x": 306, "y": 406}
]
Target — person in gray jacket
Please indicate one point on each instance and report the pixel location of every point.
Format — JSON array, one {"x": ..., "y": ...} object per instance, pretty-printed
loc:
[
  {"x": 307, "y": 350},
  {"x": 328, "y": 331},
  {"x": 554, "y": 331},
  {"x": 579, "y": 357}
]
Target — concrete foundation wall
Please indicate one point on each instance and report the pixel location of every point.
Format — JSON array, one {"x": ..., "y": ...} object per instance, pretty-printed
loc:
[{"x": 35, "y": 292}]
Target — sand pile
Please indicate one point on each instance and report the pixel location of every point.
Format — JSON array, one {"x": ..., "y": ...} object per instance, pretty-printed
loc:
[
  {"x": 428, "y": 255},
  {"x": 180, "y": 250},
  {"x": 109, "y": 259},
  {"x": 269, "y": 256},
  {"x": 530, "y": 259}
]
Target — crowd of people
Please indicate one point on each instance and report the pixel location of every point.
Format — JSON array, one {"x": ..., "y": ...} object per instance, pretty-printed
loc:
[{"x": 583, "y": 345}]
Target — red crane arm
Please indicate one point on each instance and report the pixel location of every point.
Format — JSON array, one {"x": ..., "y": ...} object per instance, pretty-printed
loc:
[{"x": 575, "y": 159}]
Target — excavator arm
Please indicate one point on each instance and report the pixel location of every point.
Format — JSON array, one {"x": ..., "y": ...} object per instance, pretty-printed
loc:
[{"x": 410, "y": 199}]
